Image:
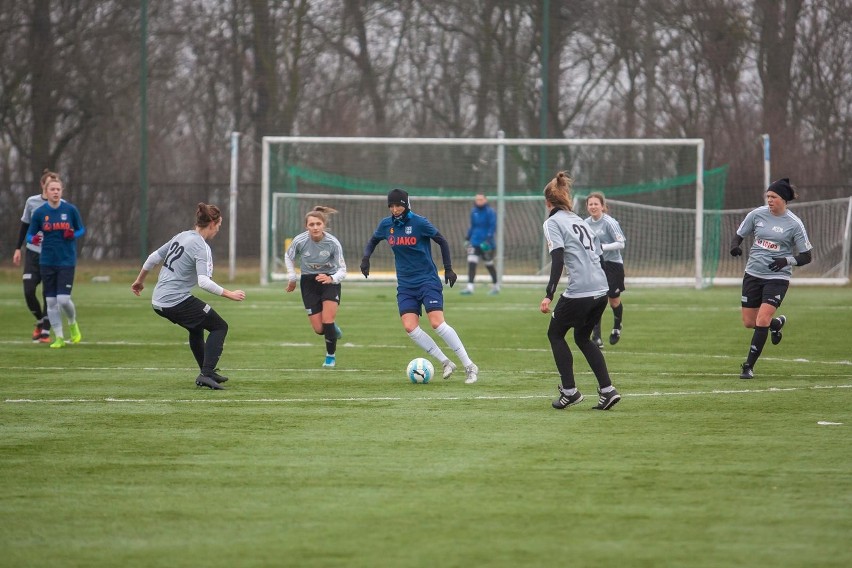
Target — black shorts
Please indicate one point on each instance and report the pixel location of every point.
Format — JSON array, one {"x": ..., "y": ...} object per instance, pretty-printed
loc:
[
  {"x": 315, "y": 293},
  {"x": 579, "y": 313},
  {"x": 32, "y": 269},
  {"x": 757, "y": 291},
  {"x": 192, "y": 313},
  {"x": 614, "y": 278},
  {"x": 485, "y": 255}
]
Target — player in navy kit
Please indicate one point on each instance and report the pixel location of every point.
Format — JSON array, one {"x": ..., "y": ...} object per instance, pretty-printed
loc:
[
  {"x": 410, "y": 237},
  {"x": 323, "y": 268},
  {"x": 188, "y": 261},
  {"x": 776, "y": 232},
  {"x": 574, "y": 246},
  {"x": 32, "y": 270},
  {"x": 57, "y": 225}
]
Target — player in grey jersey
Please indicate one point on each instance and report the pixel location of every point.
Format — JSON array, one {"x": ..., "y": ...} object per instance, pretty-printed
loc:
[
  {"x": 32, "y": 271},
  {"x": 777, "y": 233},
  {"x": 613, "y": 242},
  {"x": 187, "y": 260},
  {"x": 574, "y": 246},
  {"x": 323, "y": 268}
]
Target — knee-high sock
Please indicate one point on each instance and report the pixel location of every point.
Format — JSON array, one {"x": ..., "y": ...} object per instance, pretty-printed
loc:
[
  {"x": 330, "y": 338},
  {"x": 451, "y": 338},
  {"x": 425, "y": 341},
  {"x": 758, "y": 340},
  {"x": 213, "y": 349},
  {"x": 594, "y": 357},
  {"x": 471, "y": 271},
  {"x": 196, "y": 345},
  {"x": 493, "y": 272},
  {"x": 617, "y": 313},
  {"x": 55, "y": 316},
  {"x": 32, "y": 299},
  {"x": 562, "y": 357},
  {"x": 67, "y": 307}
]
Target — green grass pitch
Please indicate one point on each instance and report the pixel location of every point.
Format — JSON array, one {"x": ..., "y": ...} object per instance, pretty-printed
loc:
[{"x": 110, "y": 456}]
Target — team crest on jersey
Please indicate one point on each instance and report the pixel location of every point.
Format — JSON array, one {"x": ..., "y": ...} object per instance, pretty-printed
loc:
[
  {"x": 63, "y": 217},
  {"x": 778, "y": 229},
  {"x": 408, "y": 230},
  {"x": 324, "y": 254}
]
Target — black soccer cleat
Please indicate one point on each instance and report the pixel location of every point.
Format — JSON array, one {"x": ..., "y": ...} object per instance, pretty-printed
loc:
[
  {"x": 566, "y": 400},
  {"x": 747, "y": 371},
  {"x": 207, "y": 382},
  {"x": 607, "y": 400},
  {"x": 217, "y": 377},
  {"x": 775, "y": 334},
  {"x": 615, "y": 336}
]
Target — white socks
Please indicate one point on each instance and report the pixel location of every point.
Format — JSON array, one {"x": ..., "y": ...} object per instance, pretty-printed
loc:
[{"x": 449, "y": 335}]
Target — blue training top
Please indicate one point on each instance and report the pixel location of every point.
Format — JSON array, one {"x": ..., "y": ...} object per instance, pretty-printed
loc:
[
  {"x": 56, "y": 250},
  {"x": 410, "y": 240},
  {"x": 483, "y": 225}
]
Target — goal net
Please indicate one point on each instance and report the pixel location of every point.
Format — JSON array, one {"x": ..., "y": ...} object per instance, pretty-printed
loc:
[{"x": 666, "y": 203}]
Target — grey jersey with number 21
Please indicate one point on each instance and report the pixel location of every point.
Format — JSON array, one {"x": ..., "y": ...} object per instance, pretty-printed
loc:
[{"x": 566, "y": 230}]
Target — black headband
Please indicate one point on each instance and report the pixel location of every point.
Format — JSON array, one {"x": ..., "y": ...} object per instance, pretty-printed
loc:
[{"x": 783, "y": 188}]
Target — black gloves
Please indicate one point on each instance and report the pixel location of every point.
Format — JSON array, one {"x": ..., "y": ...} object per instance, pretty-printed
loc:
[
  {"x": 777, "y": 263},
  {"x": 450, "y": 276},
  {"x": 365, "y": 266},
  {"x": 736, "y": 251}
]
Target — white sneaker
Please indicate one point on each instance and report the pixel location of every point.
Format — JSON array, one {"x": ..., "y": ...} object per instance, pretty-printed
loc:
[
  {"x": 471, "y": 371},
  {"x": 449, "y": 367}
]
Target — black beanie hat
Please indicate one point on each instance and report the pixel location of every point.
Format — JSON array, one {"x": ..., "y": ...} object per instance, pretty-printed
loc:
[
  {"x": 783, "y": 188},
  {"x": 398, "y": 197}
]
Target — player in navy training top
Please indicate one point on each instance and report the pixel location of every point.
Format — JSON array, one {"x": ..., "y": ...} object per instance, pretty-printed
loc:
[
  {"x": 410, "y": 237},
  {"x": 777, "y": 233},
  {"x": 57, "y": 225}
]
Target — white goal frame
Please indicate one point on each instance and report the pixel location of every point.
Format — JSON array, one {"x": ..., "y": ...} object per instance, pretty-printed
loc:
[{"x": 500, "y": 190}]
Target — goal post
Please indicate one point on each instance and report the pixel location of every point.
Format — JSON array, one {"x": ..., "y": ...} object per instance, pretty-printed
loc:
[{"x": 442, "y": 176}]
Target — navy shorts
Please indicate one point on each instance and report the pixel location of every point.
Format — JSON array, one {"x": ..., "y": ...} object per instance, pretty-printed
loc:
[
  {"x": 409, "y": 300},
  {"x": 57, "y": 280},
  {"x": 315, "y": 293},
  {"x": 757, "y": 291}
]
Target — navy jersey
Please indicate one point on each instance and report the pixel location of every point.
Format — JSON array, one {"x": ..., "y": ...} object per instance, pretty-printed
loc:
[
  {"x": 411, "y": 243},
  {"x": 56, "y": 250}
]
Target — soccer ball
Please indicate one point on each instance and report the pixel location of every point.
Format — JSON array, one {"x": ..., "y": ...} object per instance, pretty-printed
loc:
[{"x": 420, "y": 371}]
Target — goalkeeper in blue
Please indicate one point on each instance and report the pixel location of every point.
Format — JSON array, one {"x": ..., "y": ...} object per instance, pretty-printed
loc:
[
  {"x": 780, "y": 242},
  {"x": 410, "y": 237},
  {"x": 479, "y": 243}
]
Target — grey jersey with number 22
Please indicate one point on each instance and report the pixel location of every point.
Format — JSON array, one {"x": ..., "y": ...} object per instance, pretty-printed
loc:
[{"x": 185, "y": 257}]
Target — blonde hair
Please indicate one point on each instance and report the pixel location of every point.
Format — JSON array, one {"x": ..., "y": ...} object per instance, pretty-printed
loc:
[
  {"x": 206, "y": 214},
  {"x": 558, "y": 191},
  {"x": 601, "y": 198},
  {"x": 321, "y": 212}
]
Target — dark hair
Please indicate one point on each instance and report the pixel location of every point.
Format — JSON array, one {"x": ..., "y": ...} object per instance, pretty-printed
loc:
[
  {"x": 558, "y": 191},
  {"x": 321, "y": 212},
  {"x": 206, "y": 214}
]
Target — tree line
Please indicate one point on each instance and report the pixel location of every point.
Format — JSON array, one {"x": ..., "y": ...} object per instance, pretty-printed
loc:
[{"x": 726, "y": 71}]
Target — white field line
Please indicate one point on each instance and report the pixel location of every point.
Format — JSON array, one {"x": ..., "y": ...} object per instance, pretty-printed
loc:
[{"x": 399, "y": 398}]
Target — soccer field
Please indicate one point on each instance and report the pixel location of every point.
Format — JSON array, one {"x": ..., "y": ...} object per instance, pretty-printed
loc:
[{"x": 110, "y": 455}]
